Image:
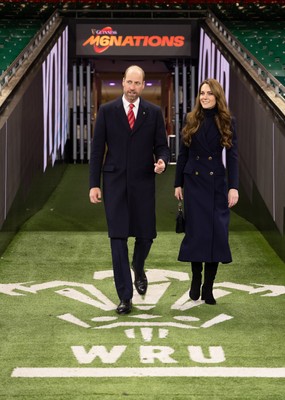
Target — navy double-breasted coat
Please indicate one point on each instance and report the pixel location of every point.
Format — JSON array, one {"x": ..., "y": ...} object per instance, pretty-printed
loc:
[
  {"x": 201, "y": 172},
  {"x": 126, "y": 159}
]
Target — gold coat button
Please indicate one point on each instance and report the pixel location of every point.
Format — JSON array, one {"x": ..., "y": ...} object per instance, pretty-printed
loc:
[
  {"x": 210, "y": 158},
  {"x": 196, "y": 173}
]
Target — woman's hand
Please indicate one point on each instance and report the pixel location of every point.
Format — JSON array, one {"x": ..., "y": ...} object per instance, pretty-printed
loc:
[
  {"x": 178, "y": 193},
  {"x": 232, "y": 197}
]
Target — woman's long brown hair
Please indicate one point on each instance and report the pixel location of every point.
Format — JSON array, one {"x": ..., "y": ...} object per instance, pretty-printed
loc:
[{"x": 222, "y": 118}]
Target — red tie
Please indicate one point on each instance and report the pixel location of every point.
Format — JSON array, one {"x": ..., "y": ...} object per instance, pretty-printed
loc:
[{"x": 131, "y": 116}]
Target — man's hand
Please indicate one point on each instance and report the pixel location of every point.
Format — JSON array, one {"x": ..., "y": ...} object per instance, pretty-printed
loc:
[
  {"x": 159, "y": 166},
  {"x": 95, "y": 195}
]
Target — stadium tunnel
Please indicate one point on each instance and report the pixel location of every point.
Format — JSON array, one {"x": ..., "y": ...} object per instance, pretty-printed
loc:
[{"x": 52, "y": 87}]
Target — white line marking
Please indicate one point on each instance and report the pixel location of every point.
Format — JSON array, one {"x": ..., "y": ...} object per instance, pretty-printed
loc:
[
  {"x": 147, "y": 334},
  {"x": 220, "y": 318},
  {"x": 145, "y": 316},
  {"x": 130, "y": 333},
  {"x": 221, "y": 372},
  {"x": 186, "y": 318},
  {"x": 163, "y": 333},
  {"x": 103, "y": 319},
  {"x": 71, "y": 318},
  {"x": 118, "y": 324}
]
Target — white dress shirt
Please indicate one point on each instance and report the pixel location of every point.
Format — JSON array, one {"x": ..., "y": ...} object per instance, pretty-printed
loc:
[{"x": 127, "y": 104}]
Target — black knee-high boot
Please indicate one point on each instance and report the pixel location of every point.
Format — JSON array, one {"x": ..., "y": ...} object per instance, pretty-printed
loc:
[
  {"x": 209, "y": 277},
  {"x": 194, "y": 292}
]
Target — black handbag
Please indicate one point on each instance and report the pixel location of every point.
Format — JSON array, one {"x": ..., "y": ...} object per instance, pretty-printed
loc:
[{"x": 180, "y": 221}]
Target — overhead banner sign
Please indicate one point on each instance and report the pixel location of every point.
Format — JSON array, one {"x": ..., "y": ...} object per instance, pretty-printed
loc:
[{"x": 133, "y": 40}]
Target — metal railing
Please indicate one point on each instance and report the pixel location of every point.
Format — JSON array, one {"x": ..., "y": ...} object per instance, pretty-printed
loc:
[
  {"x": 10, "y": 72},
  {"x": 249, "y": 59}
]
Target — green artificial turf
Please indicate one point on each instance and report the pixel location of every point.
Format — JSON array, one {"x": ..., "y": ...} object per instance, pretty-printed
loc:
[
  {"x": 53, "y": 259},
  {"x": 69, "y": 209}
]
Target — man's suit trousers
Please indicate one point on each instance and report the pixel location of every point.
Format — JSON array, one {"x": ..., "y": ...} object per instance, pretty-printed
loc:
[{"x": 121, "y": 264}]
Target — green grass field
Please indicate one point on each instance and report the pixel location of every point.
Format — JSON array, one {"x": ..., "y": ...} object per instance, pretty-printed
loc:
[{"x": 60, "y": 337}]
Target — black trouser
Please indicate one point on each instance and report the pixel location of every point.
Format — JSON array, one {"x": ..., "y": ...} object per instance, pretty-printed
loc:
[{"x": 121, "y": 264}]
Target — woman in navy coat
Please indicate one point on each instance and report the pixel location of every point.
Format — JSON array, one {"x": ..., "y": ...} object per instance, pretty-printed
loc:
[
  {"x": 209, "y": 188},
  {"x": 129, "y": 157}
]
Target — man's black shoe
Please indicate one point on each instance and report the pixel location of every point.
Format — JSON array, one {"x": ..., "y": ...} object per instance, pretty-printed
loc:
[
  {"x": 125, "y": 307},
  {"x": 141, "y": 284}
]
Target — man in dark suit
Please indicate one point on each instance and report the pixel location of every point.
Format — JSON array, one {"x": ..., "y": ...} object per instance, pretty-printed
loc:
[{"x": 129, "y": 158}]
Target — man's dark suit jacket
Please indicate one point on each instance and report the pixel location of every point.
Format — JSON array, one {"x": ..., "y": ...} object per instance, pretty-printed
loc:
[{"x": 126, "y": 158}]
